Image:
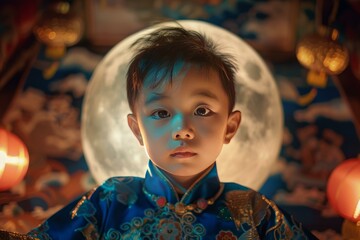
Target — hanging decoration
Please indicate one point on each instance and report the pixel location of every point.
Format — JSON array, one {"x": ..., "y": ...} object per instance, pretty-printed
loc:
[
  {"x": 58, "y": 28},
  {"x": 322, "y": 53},
  {"x": 14, "y": 160}
]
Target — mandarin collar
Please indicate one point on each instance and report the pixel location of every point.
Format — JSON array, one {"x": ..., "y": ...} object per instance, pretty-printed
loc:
[{"x": 158, "y": 184}]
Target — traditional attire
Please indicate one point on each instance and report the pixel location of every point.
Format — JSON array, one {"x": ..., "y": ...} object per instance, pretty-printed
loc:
[{"x": 150, "y": 208}]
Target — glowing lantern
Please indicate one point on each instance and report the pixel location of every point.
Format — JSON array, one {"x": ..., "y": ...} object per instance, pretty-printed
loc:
[
  {"x": 343, "y": 192},
  {"x": 14, "y": 160},
  {"x": 322, "y": 54}
]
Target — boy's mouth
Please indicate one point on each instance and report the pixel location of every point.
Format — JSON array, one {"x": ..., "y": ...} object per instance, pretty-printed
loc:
[{"x": 183, "y": 154}]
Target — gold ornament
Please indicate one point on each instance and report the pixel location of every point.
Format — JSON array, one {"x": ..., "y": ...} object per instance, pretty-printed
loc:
[
  {"x": 322, "y": 54},
  {"x": 59, "y": 28}
]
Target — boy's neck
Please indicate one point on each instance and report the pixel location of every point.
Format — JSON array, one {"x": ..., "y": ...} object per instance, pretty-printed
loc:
[{"x": 183, "y": 183}]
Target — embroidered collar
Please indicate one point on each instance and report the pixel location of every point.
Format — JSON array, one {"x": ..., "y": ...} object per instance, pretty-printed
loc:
[{"x": 206, "y": 188}]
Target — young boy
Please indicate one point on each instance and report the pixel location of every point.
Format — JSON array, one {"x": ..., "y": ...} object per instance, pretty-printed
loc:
[{"x": 181, "y": 93}]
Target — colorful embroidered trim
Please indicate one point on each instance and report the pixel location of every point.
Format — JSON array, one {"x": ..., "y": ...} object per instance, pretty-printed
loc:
[{"x": 179, "y": 207}]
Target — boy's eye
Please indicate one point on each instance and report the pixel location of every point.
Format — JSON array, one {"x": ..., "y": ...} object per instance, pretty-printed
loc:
[
  {"x": 160, "y": 114},
  {"x": 202, "y": 111}
]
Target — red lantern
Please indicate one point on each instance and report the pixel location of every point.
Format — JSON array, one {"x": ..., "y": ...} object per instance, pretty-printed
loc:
[
  {"x": 14, "y": 160},
  {"x": 343, "y": 189}
]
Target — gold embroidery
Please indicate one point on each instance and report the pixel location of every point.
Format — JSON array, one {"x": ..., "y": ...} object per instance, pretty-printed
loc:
[
  {"x": 246, "y": 207},
  {"x": 260, "y": 208},
  {"x": 90, "y": 232},
  {"x": 82, "y": 200},
  {"x": 7, "y": 235},
  {"x": 279, "y": 221}
]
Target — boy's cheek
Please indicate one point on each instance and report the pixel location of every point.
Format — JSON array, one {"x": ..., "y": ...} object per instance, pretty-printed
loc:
[
  {"x": 210, "y": 129},
  {"x": 155, "y": 133}
]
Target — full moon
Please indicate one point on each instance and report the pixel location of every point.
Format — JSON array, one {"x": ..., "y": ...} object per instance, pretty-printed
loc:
[{"x": 110, "y": 148}]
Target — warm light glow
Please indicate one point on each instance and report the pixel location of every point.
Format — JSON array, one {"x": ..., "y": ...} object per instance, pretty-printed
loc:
[
  {"x": 2, "y": 162},
  {"x": 305, "y": 56},
  {"x": 336, "y": 60},
  {"x": 59, "y": 26},
  {"x": 316, "y": 78},
  {"x": 343, "y": 189},
  {"x": 357, "y": 210},
  {"x": 14, "y": 160},
  {"x": 52, "y": 35},
  {"x": 321, "y": 52}
]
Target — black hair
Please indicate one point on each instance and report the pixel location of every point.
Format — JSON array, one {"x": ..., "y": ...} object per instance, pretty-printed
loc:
[{"x": 160, "y": 50}]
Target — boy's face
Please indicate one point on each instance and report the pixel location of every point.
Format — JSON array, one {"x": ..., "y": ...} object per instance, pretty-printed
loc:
[{"x": 184, "y": 125}]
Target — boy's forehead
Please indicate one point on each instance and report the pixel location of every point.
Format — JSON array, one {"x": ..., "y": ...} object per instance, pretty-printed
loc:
[
  {"x": 151, "y": 93},
  {"x": 160, "y": 75}
]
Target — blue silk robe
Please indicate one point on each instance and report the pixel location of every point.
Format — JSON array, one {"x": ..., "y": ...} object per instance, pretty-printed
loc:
[{"x": 150, "y": 208}]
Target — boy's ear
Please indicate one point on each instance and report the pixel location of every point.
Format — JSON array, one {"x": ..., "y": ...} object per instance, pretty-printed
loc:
[
  {"x": 134, "y": 126},
  {"x": 233, "y": 124}
]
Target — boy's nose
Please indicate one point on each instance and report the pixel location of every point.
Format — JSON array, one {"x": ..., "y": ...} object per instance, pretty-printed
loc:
[
  {"x": 183, "y": 134},
  {"x": 181, "y": 128}
]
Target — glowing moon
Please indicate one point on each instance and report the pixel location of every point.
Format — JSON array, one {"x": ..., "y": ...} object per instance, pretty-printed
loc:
[{"x": 111, "y": 150}]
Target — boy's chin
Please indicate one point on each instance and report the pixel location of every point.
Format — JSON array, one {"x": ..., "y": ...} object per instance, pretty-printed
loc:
[
  {"x": 187, "y": 172},
  {"x": 178, "y": 172}
]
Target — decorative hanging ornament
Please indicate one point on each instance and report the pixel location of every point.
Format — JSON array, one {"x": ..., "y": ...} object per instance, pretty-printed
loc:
[
  {"x": 59, "y": 28},
  {"x": 14, "y": 160},
  {"x": 343, "y": 192},
  {"x": 322, "y": 54}
]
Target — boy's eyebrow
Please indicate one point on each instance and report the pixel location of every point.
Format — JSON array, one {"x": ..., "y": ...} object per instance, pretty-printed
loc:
[
  {"x": 205, "y": 93},
  {"x": 155, "y": 97}
]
